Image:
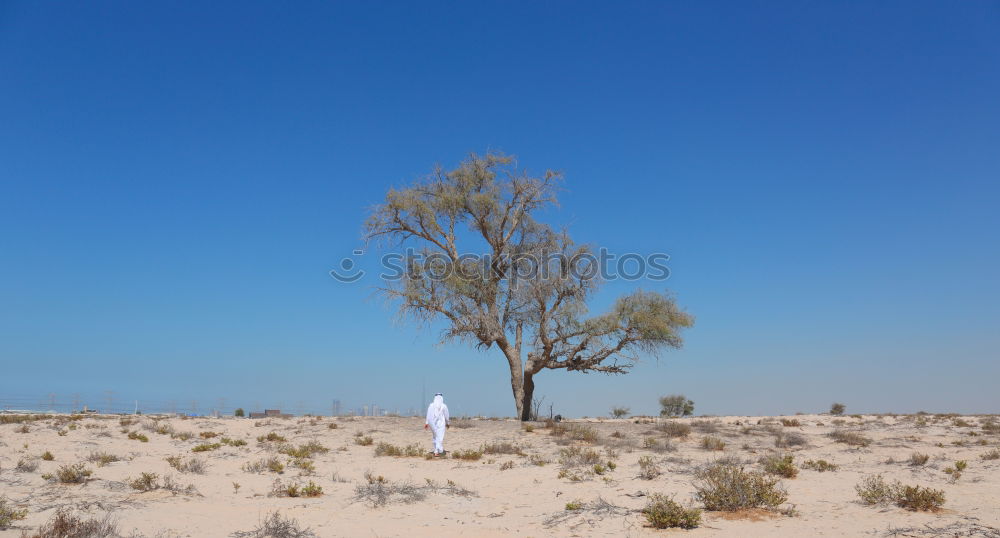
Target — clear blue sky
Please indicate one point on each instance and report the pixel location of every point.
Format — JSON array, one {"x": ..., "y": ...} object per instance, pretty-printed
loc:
[{"x": 177, "y": 178}]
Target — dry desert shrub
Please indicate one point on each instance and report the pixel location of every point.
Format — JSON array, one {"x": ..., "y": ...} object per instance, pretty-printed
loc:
[
  {"x": 462, "y": 423},
  {"x": 363, "y": 440},
  {"x": 821, "y": 466},
  {"x": 9, "y": 514},
  {"x": 26, "y": 466},
  {"x": 576, "y": 456},
  {"x": 712, "y": 443},
  {"x": 145, "y": 482},
  {"x": 663, "y": 512},
  {"x": 386, "y": 449},
  {"x": 193, "y": 465},
  {"x": 380, "y": 491},
  {"x": 674, "y": 429},
  {"x": 837, "y": 409},
  {"x": 47, "y": 456},
  {"x": 728, "y": 487},
  {"x": 918, "y": 459},
  {"x": 307, "y": 450},
  {"x": 502, "y": 447},
  {"x": 467, "y": 455},
  {"x": 279, "y": 489},
  {"x": 991, "y": 455},
  {"x": 271, "y": 464},
  {"x": 65, "y": 525},
  {"x": 785, "y": 439},
  {"x": 76, "y": 473},
  {"x": 706, "y": 426},
  {"x": 206, "y": 447},
  {"x": 849, "y": 438},
  {"x": 272, "y": 437},
  {"x": 275, "y": 526},
  {"x": 102, "y": 458},
  {"x": 656, "y": 445},
  {"x": 136, "y": 436},
  {"x": 790, "y": 422},
  {"x": 648, "y": 469}
]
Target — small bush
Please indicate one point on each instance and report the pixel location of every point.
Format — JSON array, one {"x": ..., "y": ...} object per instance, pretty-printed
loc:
[
  {"x": 271, "y": 464},
  {"x": 207, "y": 435},
  {"x": 307, "y": 450},
  {"x": 790, "y": 422},
  {"x": 837, "y": 409},
  {"x": 206, "y": 447},
  {"x": 502, "y": 447},
  {"x": 712, "y": 443},
  {"x": 409, "y": 451},
  {"x": 620, "y": 412},
  {"x": 26, "y": 466},
  {"x": 850, "y": 438},
  {"x": 674, "y": 429},
  {"x": 786, "y": 439},
  {"x": 648, "y": 469},
  {"x": 65, "y": 525},
  {"x": 271, "y": 438},
  {"x": 574, "y": 505},
  {"x": 9, "y": 514},
  {"x": 136, "y": 436},
  {"x": 576, "y": 456},
  {"x": 728, "y": 487},
  {"x": 819, "y": 465},
  {"x": 275, "y": 526},
  {"x": 467, "y": 455},
  {"x": 780, "y": 465},
  {"x": 991, "y": 455},
  {"x": 145, "y": 482},
  {"x": 663, "y": 512},
  {"x": 76, "y": 473},
  {"x": 364, "y": 440},
  {"x": 193, "y": 465},
  {"x": 917, "y": 459},
  {"x": 874, "y": 490},
  {"x": 233, "y": 442},
  {"x": 47, "y": 456},
  {"x": 102, "y": 458},
  {"x": 239, "y": 412}
]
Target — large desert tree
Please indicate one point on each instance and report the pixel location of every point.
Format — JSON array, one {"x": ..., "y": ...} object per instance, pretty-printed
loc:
[{"x": 499, "y": 278}]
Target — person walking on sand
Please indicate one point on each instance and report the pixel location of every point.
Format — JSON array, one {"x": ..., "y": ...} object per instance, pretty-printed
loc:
[{"x": 438, "y": 422}]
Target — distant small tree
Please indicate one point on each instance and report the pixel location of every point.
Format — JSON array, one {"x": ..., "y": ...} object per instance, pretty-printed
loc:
[
  {"x": 238, "y": 412},
  {"x": 620, "y": 412},
  {"x": 676, "y": 405},
  {"x": 837, "y": 409}
]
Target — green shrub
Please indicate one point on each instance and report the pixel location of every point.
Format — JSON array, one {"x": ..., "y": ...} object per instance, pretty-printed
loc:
[
  {"x": 574, "y": 505},
  {"x": 648, "y": 469},
  {"x": 239, "y": 412},
  {"x": 307, "y": 450},
  {"x": 145, "y": 482},
  {"x": 386, "y": 449},
  {"x": 779, "y": 465},
  {"x": 9, "y": 514},
  {"x": 206, "y": 447},
  {"x": 271, "y": 438},
  {"x": 620, "y": 412},
  {"x": 663, "y": 512},
  {"x": 136, "y": 436},
  {"x": 76, "y": 473},
  {"x": 874, "y": 490},
  {"x": 837, "y": 409},
  {"x": 47, "y": 456},
  {"x": 467, "y": 455},
  {"x": 727, "y": 487}
]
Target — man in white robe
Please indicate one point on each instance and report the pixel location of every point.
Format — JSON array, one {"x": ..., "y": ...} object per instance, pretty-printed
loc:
[{"x": 438, "y": 422}]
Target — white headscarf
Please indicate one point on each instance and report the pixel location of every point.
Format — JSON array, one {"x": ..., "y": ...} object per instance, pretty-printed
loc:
[{"x": 437, "y": 411}]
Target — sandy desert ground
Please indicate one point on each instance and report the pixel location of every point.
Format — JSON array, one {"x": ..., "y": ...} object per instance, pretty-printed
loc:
[{"x": 500, "y": 493}]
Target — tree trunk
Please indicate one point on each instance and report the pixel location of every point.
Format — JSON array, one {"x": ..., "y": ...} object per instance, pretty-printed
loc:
[{"x": 527, "y": 390}]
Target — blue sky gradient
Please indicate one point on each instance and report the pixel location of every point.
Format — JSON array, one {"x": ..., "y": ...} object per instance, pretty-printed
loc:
[{"x": 176, "y": 179}]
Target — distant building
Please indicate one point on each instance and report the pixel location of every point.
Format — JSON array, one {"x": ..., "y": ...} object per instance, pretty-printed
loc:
[{"x": 270, "y": 413}]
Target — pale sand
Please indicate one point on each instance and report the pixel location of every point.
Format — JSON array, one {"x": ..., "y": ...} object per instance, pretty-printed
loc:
[{"x": 526, "y": 500}]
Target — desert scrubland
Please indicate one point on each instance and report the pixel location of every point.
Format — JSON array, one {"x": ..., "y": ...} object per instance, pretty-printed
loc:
[{"x": 920, "y": 475}]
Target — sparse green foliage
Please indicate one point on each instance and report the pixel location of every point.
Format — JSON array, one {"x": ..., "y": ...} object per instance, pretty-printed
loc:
[
  {"x": 648, "y": 469},
  {"x": 496, "y": 202},
  {"x": 239, "y": 412},
  {"x": 874, "y": 490},
  {"x": 76, "y": 473},
  {"x": 727, "y": 487},
  {"x": 783, "y": 466},
  {"x": 136, "y": 436},
  {"x": 47, "y": 456},
  {"x": 467, "y": 455},
  {"x": 676, "y": 405},
  {"x": 206, "y": 447},
  {"x": 9, "y": 514},
  {"x": 819, "y": 465},
  {"x": 271, "y": 438},
  {"x": 663, "y": 512},
  {"x": 837, "y": 409}
]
